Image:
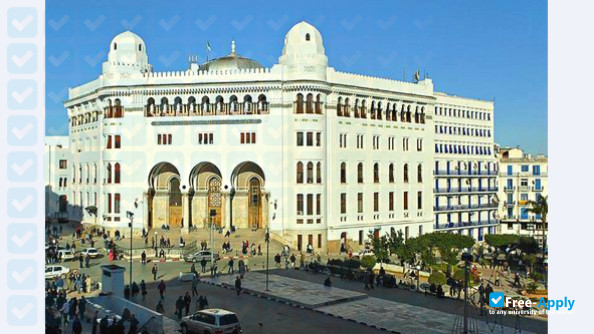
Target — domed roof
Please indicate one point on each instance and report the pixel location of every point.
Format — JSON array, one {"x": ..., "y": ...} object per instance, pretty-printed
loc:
[
  {"x": 127, "y": 54},
  {"x": 303, "y": 38},
  {"x": 233, "y": 61},
  {"x": 126, "y": 41}
]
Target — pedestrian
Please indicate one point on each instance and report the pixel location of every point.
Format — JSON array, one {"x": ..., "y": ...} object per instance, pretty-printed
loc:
[
  {"x": 133, "y": 324},
  {"x": 179, "y": 307},
  {"x": 497, "y": 280},
  {"x": 366, "y": 281},
  {"x": 64, "y": 311},
  {"x": 517, "y": 280},
  {"x": 82, "y": 307},
  {"x": 187, "y": 302},
  {"x": 143, "y": 289},
  {"x": 231, "y": 266},
  {"x": 143, "y": 257},
  {"x": 95, "y": 323},
  {"x": 194, "y": 285},
  {"x": 87, "y": 259},
  {"x": 293, "y": 261},
  {"x": 80, "y": 261},
  {"x": 155, "y": 271},
  {"x": 135, "y": 289},
  {"x": 193, "y": 269},
  {"x": 161, "y": 287},
  {"x": 238, "y": 285},
  {"x": 203, "y": 264},
  {"x": 76, "y": 325}
]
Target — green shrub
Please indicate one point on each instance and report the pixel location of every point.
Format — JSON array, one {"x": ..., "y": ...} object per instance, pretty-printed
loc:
[
  {"x": 531, "y": 287},
  {"x": 352, "y": 263},
  {"x": 335, "y": 262},
  {"x": 437, "y": 278},
  {"x": 368, "y": 262},
  {"x": 536, "y": 276},
  {"x": 459, "y": 276}
]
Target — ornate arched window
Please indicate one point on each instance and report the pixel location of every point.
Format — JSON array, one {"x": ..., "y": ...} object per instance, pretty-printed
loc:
[
  {"x": 310, "y": 171},
  {"x": 391, "y": 173},
  {"x": 299, "y": 172},
  {"x": 319, "y": 172},
  {"x": 116, "y": 173},
  {"x": 299, "y": 104},
  {"x": 360, "y": 172},
  {"x": 405, "y": 173},
  {"x": 108, "y": 172},
  {"x": 343, "y": 172},
  {"x": 420, "y": 173}
]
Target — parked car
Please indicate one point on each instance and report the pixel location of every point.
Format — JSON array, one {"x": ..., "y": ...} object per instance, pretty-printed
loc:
[
  {"x": 204, "y": 254},
  {"x": 361, "y": 254},
  {"x": 65, "y": 254},
  {"x": 213, "y": 321},
  {"x": 55, "y": 271},
  {"x": 92, "y": 252}
]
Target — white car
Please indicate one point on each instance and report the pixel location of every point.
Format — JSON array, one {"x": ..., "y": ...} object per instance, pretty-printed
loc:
[
  {"x": 211, "y": 321},
  {"x": 55, "y": 271},
  {"x": 360, "y": 255},
  {"x": 65, "y": 255},
  {"x": 92, "y": 252},
  {"x": 204, "y": 254}
]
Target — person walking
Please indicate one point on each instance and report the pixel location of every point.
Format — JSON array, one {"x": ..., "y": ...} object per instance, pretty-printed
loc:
[
  {"x": 293, "y": 261},
  {"x": 194, "y": 285},
  {"x": 80, "y": 261},
  {"x": 179, "y": 307},
  {"x": 366, "y": 279},
  {"x": 133, "y": 324},
  {"x": 155, "y": 271},
  {"x": 193, "y": 268},
  {"x": 87, "y": 260},
  {"x": 187, "y": 302},
  {"x": 95, "y": 323},
  {"x": 82, "y": 307},
  {"x": 231, "y": 266},
  {"x": 203, "y": 264},
  {"x": 161, "y": 287},
  {"x": 143, "y": 258},
  {"x": 64, "y": 311},
  {"x": 76, "y": 325},
  {"x": 143, "y": 289},
  {"x": 497, "y": 280},
  {"x": 238, "y": 285}
]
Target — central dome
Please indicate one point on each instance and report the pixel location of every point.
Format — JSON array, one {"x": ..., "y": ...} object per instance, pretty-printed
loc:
[{"x": 233, "y": 61}]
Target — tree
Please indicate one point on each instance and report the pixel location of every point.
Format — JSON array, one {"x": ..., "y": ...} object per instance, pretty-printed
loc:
[
  {"x": 380, "y": 247},
  {"x": 437, "y": 278},
  {"x": 502, "y": 241},
  {"x": 368, "y": 262},
  {"x": 528, "y": 245},
  {"x": 540, "y": 207}
]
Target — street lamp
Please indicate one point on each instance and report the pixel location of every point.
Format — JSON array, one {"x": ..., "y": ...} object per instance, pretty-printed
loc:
[
  {"x": 213, "y": 214},
  {"x": 267, "y": 240},
  {"x": 467, "y": 258},
  {"x": 418, "y": 276},
  {"x": 130, "y": 216}
]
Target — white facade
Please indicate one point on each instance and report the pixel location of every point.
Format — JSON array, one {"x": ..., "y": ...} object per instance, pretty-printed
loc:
[
  {"x": 465, "y": 168},
  {"x": 256, "y": 147},
  {"x": 522, "y": 178}
]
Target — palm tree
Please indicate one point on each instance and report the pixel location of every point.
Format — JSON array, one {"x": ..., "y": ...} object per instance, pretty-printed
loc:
[{"x": 541, "y": 207}]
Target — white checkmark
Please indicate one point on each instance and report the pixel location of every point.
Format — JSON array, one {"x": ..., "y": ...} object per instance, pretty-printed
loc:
[
  {"x": 22, "y": 204},
  {"x": 20, "y": 97},
  {"x": 495, "y": 301},
  {"x": 22, "y": 168},
  {"x": 22, "y": 132},
  {"x": 21, "y": 277},
  {"x": 21, "y": 25},
  {"x": 22, "y": 240},
  {"x": 21, "y": 313},
  {"x": 21, "y": 61}
]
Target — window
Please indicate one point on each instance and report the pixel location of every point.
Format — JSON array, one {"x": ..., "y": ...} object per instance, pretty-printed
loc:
[
  {"x": 376, "y": 173},
  {"x": 419, "y": 200},
  {"x": 307, "y": 37},
  {"x": 524, "y": 182},
  {"x": 343, "y": 172},
  {"x": 109, "y": 142},
  {"x": 405, "y": 144},
  {"x": 375, "y": 202},
  {"x": 360, "y": 139},
  {"x": 299, "y": 138},
  {"x": 299, "y": 172},
  {"x": 247, "y": 138},
  {"x": 420, "y": 144},
  {"x": 405, "y": 200},
  {"x": 360, "y": 202},
  {"x": 391, "y": 145},
  {"x": 342, "y": 203},
  {"x": 117, "y": 173},
  {"x": 164, "y": 139},
  {"x": 116, "y": 203},
  {"x": 108, "y": 173},
  {"x": 318, "y": 139},
  {"x": 309, "y": 204},
  {"x": 318, "y": 204},
  {"x": 360, "y": 237},
  {"x": 405, "y": 173},
  {"x": 525, "y": 168},
  {"x": 206, "y": 139},
  {"x": 319, "y": 241},
  {"x": 310, "y": 172},
  {"x": 299, "y": 204},
  {"x": 391, "y": 173},
  {"x": 310, "y": 139},
  {"x": 420, "y": 173},
  {"x": 118, "y": 141},
  {"x": 360, "y": 172},
  {"x": 63, "y": 164},
  {"x": 319, "y": 172},
  {"x": 536, "y": 170},
  {"x": 391, "y": 201},
  {"x": 510, "y": 170},
  {"x": 343, "y": 140},
  {"x": 376, "y": 142},
  {"x": 108, "y": 203}
]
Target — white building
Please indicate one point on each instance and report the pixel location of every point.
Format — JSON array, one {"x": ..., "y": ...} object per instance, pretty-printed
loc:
[
  {"x": 522, "y": 178},
  {"x": 465, "y": 166},
  {"x": 321, "y": 157}
]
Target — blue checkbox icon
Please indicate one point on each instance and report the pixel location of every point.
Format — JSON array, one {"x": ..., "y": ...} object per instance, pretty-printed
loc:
[
  {"x": 21, "y": 310},
  {"x": 22, "y": 22},
  {"x": 496, "y": 299},
  {"x": 22, "y": 202},
  {"x": 22, "y": 274},
  {"x": 21, "y": 238},
  {"x": 21, "y": 130},
  {"x": 22, "y": 166},
  {"x": 22, "y": 94},
  {"x": 22, "y": 58}
]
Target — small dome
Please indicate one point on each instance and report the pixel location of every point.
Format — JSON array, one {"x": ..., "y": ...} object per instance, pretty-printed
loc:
[
  {"x": 233, "y": 61},
  {"x": 303, "y": 38},
  {"x": 127, "y": 54}
]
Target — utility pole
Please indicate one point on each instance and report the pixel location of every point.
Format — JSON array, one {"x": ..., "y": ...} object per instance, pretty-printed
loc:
[{"x": 131, "y": 217}]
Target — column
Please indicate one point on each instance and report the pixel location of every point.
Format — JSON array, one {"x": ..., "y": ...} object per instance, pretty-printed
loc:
[
  {"x": 185, "y": 212},
  {"x": 227, "y": 212}
]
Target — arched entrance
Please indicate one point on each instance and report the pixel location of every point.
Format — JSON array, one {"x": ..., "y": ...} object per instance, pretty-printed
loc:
[
  {"x": 164, "y": 196},
  {"x": 206, "y": 195},
  {"x": 249, "y": 201}
]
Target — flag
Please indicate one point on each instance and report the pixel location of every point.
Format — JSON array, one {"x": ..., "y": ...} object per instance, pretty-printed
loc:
[{"x": 208, "y": 46}]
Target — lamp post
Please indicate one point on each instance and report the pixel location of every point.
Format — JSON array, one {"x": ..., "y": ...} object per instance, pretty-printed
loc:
[
  {"x": 467, "y": 258},
  {"x": 131, "y": 217},
  {"x": 267, "y": 240},
  {"x": 213, "y": 214},
  {"x": 418, "y": 276}
]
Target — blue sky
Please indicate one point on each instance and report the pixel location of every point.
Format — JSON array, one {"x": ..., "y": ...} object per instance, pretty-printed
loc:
[{"x": 495, "y": 50}]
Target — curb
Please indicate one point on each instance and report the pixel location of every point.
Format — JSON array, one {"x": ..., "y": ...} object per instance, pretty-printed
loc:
[{"x": 283, "y": 301}]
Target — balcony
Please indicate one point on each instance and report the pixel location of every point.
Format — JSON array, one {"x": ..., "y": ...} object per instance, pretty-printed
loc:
[
  {"x": 463, "y": 173},
  {"x": 509, "y": 189},
  {"x": 446, "y": 208},
  {"x": 509, "y": 203},
  {"x": 456, "y": 190},
  {"x": 465, "y": 224},
  {"x": 537, "y": 190}
]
